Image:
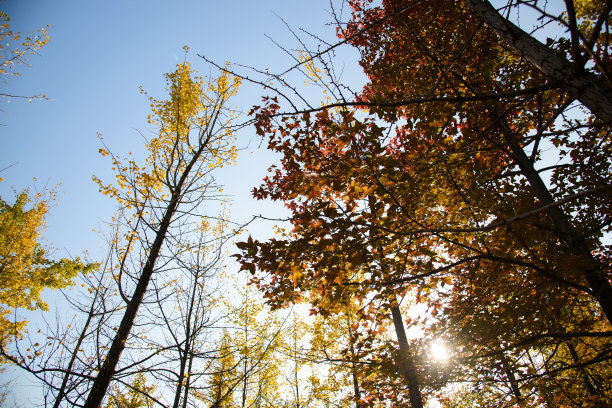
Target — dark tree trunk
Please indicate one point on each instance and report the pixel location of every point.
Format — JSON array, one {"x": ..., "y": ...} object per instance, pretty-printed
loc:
[
  {"x": 585, "y": 376},
  {"x": 407, "y": 366},
  {"x": 511, "y": 378},
  {"x": 102, "y": 381},
  {"x": 591, "y": 269}
]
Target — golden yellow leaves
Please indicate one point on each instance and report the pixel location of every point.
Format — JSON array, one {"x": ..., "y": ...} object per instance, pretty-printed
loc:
[
  {"x": 295, "y": 276},
  {"x": 133, "y": 396},
  {"x": 25, "y": 269},
  {"x": 13, "y": 56},
  {"x": 312, "y": 70}
]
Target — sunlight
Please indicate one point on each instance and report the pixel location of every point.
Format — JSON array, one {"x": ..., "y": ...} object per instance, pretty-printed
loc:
[{"x": 439, "y": 351}]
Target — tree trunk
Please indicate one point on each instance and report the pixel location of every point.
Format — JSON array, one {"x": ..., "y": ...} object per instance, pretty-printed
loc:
[
  {"x": 102, "y": 381},
  {"x": 181, "y": 375},
  {"x": 356, "y": 391},
  {"x": 407, "y": 365},
  {"x": 184, "y": 356},
  {"x": 585, "y": 376},
  {"x": 188, "y": 382},
  {"x": 511, "y": 378},
  {"x": 596, "y": 279},
  {"x": 582, "y": 85}
]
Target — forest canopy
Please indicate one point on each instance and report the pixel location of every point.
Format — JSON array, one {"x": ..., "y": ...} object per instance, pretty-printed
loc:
[{"x": 447, "y": 241}]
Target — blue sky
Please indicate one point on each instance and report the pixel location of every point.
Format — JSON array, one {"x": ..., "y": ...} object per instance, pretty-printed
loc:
[{"x": 99, "y": 53}]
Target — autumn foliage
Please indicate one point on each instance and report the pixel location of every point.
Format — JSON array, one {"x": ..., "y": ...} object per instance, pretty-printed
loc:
[
  {"x": 460, "y": 200},
  {"x": 26, "y": 265},
  {"x": 464, "y": 178}
]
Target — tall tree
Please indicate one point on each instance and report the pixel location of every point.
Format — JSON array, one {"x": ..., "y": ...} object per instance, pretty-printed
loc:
[
  {"x": 246, "y": 369},
  {"x": 194, "y": 137},
  {"x": 433, "y": 181},
  {"x": 335, "y": 342},
  {"x": 220, "y": 392}
]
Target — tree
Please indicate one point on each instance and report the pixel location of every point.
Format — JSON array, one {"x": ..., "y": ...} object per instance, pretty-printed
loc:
[
  {"x": 430, "y": 183},
  {"x": 514, "y": 123},
  {"x": 65, "y": 355},
  {"x": 26, "y": 268},
  {"x": 257, "y": 336},
  {"x": 335, "y": 343},
  {"x": 194, "y": 137}
]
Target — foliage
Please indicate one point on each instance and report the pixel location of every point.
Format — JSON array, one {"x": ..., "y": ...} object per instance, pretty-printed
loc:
[
  {"x": 161, "y": 201},
  {"x": 26, "y": 268},
  {"x": 336, "y": 342},
  {"x": 190, "y": 126},
  {"x": 220, "y": 390},
  {"x": 435, "y": 183},
  {"x": 466, "y": 186},
  {"x": 133, "y": 396},
  {"x": 189, "y": 307},
  {"x": 255, "y": 342}
]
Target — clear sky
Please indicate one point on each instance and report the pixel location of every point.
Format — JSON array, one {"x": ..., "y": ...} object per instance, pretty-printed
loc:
[{"x": 99, "y": 53}]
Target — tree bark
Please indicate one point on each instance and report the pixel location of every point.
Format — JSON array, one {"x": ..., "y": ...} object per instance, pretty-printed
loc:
[
  {"x": 581, "y": 84},
  {"x": 356, "y": 391},
  {"x": 407, "y": 366},
  {"x": 585, "y": 376}
]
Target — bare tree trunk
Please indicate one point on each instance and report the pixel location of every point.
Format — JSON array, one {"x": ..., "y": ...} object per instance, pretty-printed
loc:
[
  {"x": 188, "y": 383},
  {"x": 295, "y": 360},
  {"x": 245, "y": 362},
  {"x": 184, "y": 356},
  {"x": 181, "y": 375},
  {"x": 68, "y": 373},
  {"x": 102, "y": 381},
  {"x": 407, "y": 366},
  {"x": 582, "y": 85},
  {"x": 356, "y": 391}
]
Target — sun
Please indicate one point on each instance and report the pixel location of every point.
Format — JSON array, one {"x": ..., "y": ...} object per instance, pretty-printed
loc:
[{"x": 439, "y": 351}]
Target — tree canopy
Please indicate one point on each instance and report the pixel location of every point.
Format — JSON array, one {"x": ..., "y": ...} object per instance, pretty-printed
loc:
[
  {"x": 471, "y": 175},
  {"x": 461, "y": 199}
]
